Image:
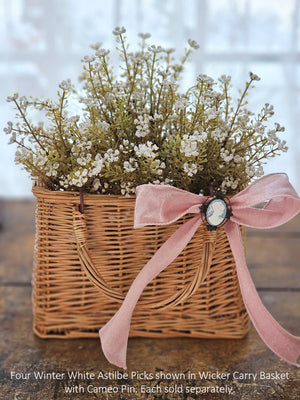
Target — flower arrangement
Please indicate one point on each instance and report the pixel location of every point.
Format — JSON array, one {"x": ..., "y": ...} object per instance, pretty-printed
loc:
[{"x": 137, "y": 127}]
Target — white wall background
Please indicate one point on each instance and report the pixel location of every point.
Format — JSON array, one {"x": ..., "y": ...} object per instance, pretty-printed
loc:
[{"x": 42, "y": 42}]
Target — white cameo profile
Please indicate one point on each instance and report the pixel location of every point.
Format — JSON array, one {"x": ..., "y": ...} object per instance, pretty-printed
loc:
[{"x": 216, "y": 212}]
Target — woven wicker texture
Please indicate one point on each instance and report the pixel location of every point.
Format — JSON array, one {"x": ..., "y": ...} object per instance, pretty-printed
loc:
[{"x": 85, "y": 264}]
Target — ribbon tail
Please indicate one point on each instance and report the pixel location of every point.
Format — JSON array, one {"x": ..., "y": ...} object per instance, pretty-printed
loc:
[
  {"x": 281, "y": 342},
  {"x": 114, "y": 335}
]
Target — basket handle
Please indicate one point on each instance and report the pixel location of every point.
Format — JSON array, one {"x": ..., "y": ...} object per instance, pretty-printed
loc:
[{"x": 81, "y": 235}]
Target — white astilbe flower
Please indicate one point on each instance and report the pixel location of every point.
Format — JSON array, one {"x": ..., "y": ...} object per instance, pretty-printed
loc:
[
  {"x": 199, "y": 137},
  {"x": 180, "y": 104},
  {"x": 155, "y": 49},
  {"x": 218, "y": 135},
  {"x": 23, "y": 102},
  {"x": 9, "y": 128},
  {"x": 104, "y": 126},
  {"x": 238, "y": 159},
  {"x": 254, "y": 77},
  {"x": 131, "y": 165},
  {"x": 88, "y": 59},
  {"x": 204, "y": 101},
  {"x": 111, "y": 155},
  {"x": 97, "y": 166},
  {"x": 189, "y": 143},
  {"x": 64, "y": 182},
  {"x": 104, "y": 187},
  {"x": 193, "y": 44},
  {"x": 212, "y": 113},
  {"x": 157, "y": 167},
  {"x": 167, "y": 181},
  {"x": 281, "y": 145},
  {"x": 205, "y": 79},
  {"x": 13, "y": 137},
  {"x": 250, "y": 171},
  {"x": 83, "y": 161},
  {"x": 51, "y": 170},
  {"x": 190, "y": 169},
  {"x": 142, "y": 125},
  {"x": 96, "y": 45},
  {"x": 127, "y": 189},
  {"x": 119, "y": 31},
  {"x": 12, "y": 98},
  {"x": 189, "y": 147},
  {"x": 41, "y": 159},
  {"x": 124, "y": 146},
  {"x": 168, "y": 82},
  {"x": 229, "y": 182},
  {"x": 66, "y": 85},
  {"x": 226, "y": 155},
  {"x": 147, "y": 150},
  {"x": 102, "y": 52},
  {"x": 109, "y": 98},
  {"x": 157, "y": 117},
  {"x": 225, "y": 79},
  {"x": 259, "y": 171},
  {"x": 78, "y": 178},
  {"x": 96, "y": 185},
  {"x": 80, "y": 147},
  {"x": 144, "y": 36}
]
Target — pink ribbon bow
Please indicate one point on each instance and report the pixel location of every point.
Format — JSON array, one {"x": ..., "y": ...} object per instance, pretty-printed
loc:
[{"x": 160, "y": 205}]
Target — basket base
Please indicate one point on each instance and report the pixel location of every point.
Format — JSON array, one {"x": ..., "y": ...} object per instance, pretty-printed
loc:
[{"x": 234, "y": 328}]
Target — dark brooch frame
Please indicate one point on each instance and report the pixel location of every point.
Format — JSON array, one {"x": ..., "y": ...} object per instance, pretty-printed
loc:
[{"x": 205, "y": 205}]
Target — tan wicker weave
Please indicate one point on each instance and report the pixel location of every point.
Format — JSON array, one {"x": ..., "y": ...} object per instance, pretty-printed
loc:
[{"x": 85, "y": 264}]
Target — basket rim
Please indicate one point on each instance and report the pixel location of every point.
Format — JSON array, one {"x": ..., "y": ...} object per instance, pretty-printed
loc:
[
  {"x": 40, "y": 191},
  {"x": 61, "y": 195}
]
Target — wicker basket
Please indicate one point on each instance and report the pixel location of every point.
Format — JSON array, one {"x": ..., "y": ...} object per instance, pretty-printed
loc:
[{"x": 85, "y": 264}]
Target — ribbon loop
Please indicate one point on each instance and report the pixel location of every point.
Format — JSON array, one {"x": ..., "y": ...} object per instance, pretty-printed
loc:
[{"x": 159, "y": 205}]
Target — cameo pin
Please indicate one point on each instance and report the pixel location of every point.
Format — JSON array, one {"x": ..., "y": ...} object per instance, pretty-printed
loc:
[{"x": 216, "y": 211}]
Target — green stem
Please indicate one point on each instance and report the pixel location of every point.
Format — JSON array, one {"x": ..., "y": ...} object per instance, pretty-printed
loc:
[
  {"x": 227, "y": 101},
  {"x": 237, "y": 110},
  {"x": 59, "y": 123},
  {"x": 99, "y": 102},
  {"x": 262, "y": 157},
  {"x": 29, "y": 126},
  {"x": 159, "y": 96},
  {"x": 96, "y": 94},
  {"x": 151, "y": 85},
  {"x": 125, "y": 57},
  {"x": 25, "y": 147}
]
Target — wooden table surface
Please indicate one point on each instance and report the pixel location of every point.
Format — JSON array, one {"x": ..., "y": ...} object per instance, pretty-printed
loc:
[{"x": 273, "y": 258}]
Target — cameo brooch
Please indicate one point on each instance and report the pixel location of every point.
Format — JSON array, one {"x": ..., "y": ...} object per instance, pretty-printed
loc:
[{"x": 216, "y": 211}]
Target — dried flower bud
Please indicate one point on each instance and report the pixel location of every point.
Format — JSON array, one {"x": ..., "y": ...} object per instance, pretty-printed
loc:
[
  {"x": 119, "y": 31},
  {"x": 254, "y": 77},
  {"x": 96, "y": 46},
  {"x": 88, "y": 59},
  {"x": 225, "y": 79},
  {"x": 169, "y": 50},
  {"x": 65, "y": 85},
  {"x": 12, "y": 98},
  {"x": 144, "y": 36},
  {"x": 155, "y": 49},
  {"x": 193, "y": 44},
  {"x": 102, "y": 53},
  {"x": 9, "y": 128}
]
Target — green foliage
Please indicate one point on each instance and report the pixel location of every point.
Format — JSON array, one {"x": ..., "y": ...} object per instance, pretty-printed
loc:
[{"x": 136, "y": 127}]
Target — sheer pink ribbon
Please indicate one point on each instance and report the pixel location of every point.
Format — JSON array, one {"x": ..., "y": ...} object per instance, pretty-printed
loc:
[{"x": 160, "y": 205}]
